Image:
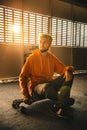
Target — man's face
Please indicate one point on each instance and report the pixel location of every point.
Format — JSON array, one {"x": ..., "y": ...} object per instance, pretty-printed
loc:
[{"x": 44, "y": 44}]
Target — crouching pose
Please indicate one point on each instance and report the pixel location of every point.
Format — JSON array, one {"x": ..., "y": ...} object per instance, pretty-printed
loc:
[{"x": 36, "y": 77}]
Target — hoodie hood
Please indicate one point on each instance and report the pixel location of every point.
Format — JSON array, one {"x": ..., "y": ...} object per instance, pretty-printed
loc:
[{"x": 37, "y": 52}]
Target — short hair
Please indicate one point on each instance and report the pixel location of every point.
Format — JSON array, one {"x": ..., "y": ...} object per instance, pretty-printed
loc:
[{"x": 47, "y": 36}]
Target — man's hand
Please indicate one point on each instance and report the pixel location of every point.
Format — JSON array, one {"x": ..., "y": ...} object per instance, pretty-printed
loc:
[
  {"x": 27, "y": 101},
  {"x": 68, "y": 75}
]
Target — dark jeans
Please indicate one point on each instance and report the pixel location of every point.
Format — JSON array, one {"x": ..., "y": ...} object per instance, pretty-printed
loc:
[{"x": 57, "y": 90}]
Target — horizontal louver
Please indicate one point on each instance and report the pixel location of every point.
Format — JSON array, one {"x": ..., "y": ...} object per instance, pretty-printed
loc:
[
  {"x": 54, "y": 31},
  {"x": 85, "y": 36},
  {"x": 1, "y": 25},
  {"x": 8, "y": 25},
  {"x": 68, "y": 33},
  {"x": 26, "y": 27},
  {"x": 21, "y": 27},
  {"x": 17, "y": 27}
]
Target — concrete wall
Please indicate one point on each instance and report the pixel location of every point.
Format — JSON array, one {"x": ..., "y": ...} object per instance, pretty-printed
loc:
[
  {"x": 11, "y": 60},
  {"x": 72, "y": 56},
  {"x": 79, "y": 58},
  {"x": 64, "y": 54}
]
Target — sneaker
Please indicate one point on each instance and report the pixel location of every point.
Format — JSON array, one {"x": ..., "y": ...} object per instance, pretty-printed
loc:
[
  {"x": 68, "y": 104},
  {"x": 70, "y": 101},
  {"x": 59, "y": 111},
  {"x": 28, "y": 101},
  {"x": 56, "y": 107}
]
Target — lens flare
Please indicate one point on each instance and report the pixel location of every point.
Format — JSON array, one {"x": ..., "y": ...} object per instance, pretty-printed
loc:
[{"x": 16, "y": 28}]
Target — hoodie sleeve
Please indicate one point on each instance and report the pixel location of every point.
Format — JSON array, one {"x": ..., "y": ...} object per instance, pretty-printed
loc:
[{"x": 24, "y": 77}]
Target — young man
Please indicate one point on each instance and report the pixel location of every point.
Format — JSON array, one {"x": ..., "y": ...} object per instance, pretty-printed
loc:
[{"x": 36, "y": 78}]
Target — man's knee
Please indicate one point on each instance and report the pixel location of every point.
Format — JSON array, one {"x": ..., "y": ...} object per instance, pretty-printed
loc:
[
  {"x": 50, "y": 92},
  {"x": 64, "y": 92},
  {"x": 70, "y": 82},
  {"x": 71, "y": 75},
  {"x": 39, "y": 89}
]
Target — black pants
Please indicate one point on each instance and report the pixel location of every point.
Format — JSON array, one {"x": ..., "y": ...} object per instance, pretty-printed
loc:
[{"x": 57, "y": 90}]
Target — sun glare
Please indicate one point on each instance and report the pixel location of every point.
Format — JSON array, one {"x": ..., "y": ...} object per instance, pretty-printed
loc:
[{"x": 16, "y": 28}]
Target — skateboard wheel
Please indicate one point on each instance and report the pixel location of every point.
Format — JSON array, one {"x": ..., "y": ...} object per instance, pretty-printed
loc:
[
  {"x": 15, "y": 105},
  {"x": 22, "y": 109}
]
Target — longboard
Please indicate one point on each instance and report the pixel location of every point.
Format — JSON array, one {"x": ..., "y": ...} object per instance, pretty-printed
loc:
[
  {"x": 66, "y": 114},
  {"x": 62, "y": 114}
]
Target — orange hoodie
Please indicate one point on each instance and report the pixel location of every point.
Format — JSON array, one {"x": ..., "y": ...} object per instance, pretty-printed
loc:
[{"x": 39, "y": 69}]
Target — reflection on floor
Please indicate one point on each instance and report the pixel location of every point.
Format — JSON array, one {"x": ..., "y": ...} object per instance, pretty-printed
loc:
[{"x": 39, "y": 117}]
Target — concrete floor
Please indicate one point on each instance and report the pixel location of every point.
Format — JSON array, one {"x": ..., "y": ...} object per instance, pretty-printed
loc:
[{"x": 39, "y": 116}]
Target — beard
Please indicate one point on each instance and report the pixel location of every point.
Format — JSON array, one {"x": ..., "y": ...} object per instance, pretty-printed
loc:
[{"x": 42, "y": 51}]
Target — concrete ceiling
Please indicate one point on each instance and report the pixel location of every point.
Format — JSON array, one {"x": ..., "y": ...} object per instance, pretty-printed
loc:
[{"x": 77, "y": 2}]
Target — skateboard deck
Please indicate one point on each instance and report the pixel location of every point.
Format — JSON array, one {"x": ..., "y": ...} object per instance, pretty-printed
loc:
[{"x": 66, "y": 114}]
